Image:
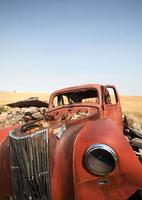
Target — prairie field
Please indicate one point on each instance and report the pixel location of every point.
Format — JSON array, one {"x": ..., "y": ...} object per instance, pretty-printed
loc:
[
  {"x": 131, "y": 105},
  {"x": 9, "y": 97}
]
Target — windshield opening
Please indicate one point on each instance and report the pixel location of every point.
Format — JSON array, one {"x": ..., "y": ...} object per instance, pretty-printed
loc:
[{"x": 86, "y": 96}]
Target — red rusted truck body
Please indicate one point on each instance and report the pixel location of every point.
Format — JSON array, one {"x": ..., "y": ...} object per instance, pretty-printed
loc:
[{"x": 78, "y": 152}]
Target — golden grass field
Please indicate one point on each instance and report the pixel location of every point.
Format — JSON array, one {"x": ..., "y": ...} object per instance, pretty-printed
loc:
[
  {"x": 9, "y": 97},
  {"x": 130, "y": 104}
]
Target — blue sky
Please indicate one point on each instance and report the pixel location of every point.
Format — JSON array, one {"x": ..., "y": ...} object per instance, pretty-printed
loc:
[{"x": 49, "y": 44}]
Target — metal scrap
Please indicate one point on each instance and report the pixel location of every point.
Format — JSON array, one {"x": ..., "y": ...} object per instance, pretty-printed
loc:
[{"x": 34, "y": 102}]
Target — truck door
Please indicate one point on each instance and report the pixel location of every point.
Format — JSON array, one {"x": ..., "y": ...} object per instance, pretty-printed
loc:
[{"x": 111, "y": 105}]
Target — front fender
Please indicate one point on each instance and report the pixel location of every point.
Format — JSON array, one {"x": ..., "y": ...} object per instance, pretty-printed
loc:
[
  {"x": 5, "y": 171},
  {"x": 125, "y": 179}
]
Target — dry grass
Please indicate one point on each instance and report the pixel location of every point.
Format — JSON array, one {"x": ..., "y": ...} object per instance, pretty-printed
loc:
[
  {"x": 9, "y": 97},
  {"x": 130, "y": 104}
]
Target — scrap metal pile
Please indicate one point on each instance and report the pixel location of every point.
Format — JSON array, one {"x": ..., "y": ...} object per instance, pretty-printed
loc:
[{"x": 133, "y": 133}]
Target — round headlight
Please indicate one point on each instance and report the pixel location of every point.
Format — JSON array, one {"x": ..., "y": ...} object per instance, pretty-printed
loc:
[{"x": 100, "y": 159}]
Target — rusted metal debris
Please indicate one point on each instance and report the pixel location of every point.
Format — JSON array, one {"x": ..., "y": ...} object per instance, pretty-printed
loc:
[{"x": 33, "y": 101}]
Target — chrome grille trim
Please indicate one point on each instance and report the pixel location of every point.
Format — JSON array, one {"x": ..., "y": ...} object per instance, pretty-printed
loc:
[{"x": 29, "y": 165}]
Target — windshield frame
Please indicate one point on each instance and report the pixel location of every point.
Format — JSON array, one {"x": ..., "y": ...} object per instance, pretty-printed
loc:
[{"x": 75, "y": 91}]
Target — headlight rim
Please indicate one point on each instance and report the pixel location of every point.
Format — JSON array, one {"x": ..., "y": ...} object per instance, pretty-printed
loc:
[{"x": 103, "y": 147}]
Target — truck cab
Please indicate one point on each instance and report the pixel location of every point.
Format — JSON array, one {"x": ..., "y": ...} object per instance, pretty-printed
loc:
[{"x": 86, "y": 99}]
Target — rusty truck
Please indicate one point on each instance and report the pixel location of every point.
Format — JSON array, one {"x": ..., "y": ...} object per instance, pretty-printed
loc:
[{"x": 79, "y": 150}]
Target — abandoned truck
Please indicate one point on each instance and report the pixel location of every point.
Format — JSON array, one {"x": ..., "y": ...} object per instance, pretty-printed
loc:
[{"x": 78, "y": 151}]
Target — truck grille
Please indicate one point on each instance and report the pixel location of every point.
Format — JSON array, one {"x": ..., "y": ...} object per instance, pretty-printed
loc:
[{"x": 29, "y": 165}]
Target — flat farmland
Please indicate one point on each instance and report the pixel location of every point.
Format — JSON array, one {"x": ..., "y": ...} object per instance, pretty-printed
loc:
[
  {"x": 9, "y": 97},
  {"x": 131, "y": 105}
]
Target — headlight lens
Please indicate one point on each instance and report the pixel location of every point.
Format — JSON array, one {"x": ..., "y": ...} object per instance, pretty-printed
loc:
[{"x": 100, "y": 159}]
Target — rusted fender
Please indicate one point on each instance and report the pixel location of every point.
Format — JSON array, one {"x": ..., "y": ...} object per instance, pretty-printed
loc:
[
  {"x": 5, "y": 175},
  {"x": 4, "y": 133},
  {"x": 123, "y": 181},
  {"x": 61, "y": 167}
]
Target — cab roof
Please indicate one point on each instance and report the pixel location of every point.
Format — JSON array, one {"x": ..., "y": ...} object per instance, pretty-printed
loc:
[{"x": 79, "y": 87}]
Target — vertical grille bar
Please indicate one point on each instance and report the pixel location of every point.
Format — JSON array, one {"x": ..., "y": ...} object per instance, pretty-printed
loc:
[{"x": 29, "y": 165}]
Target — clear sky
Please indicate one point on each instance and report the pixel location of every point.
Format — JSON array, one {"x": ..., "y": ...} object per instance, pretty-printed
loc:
[{"x": 49, "y": 44}]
